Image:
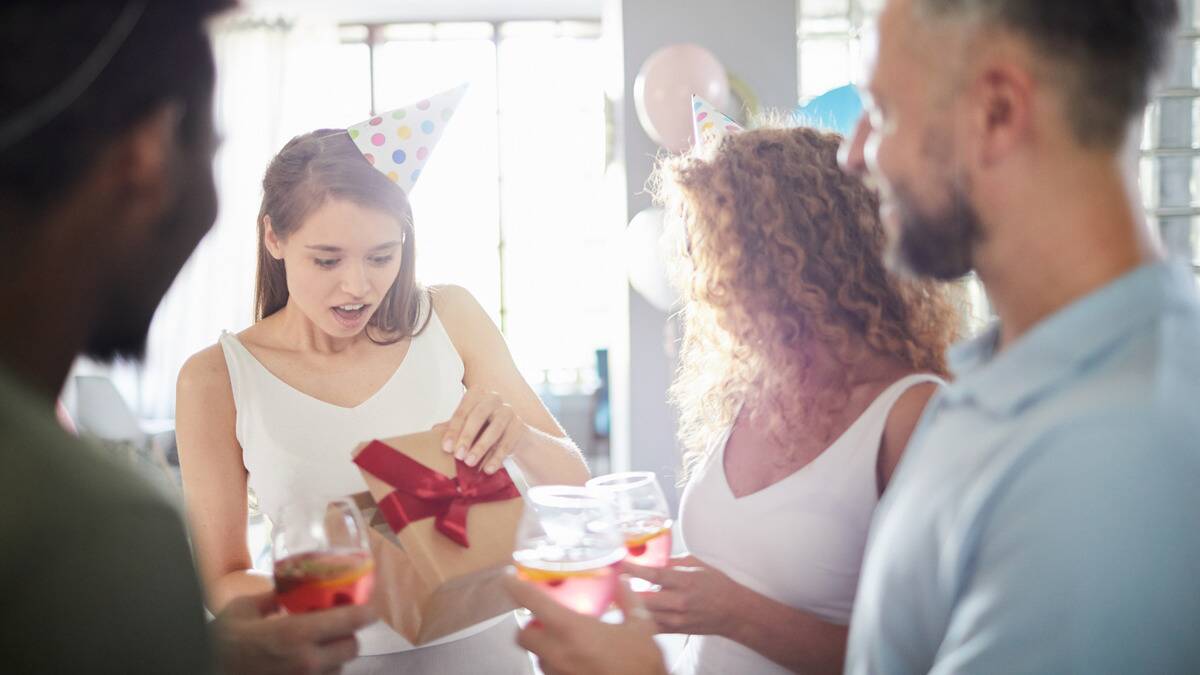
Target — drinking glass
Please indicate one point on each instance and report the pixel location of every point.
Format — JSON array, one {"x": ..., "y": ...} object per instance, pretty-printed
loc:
[
  {"x": 568, "y": 544},
  {"x": 322, "y": 556},
  {"x": 643, "y": 516}
]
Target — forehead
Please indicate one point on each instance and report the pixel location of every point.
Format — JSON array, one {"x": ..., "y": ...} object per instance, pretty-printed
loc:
[
  {"x": 887, "y": 53},
  {"x": 905, "y": 54},
  {"x": 343, "y": 222}
]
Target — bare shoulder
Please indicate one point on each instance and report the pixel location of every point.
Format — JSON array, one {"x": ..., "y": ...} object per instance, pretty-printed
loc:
[
  {"x": 463, "y": 317},
  {"x": 901, "y": 421},
  {"x": 455, "y": 304},
  {"x": 909, "y": 408},
  {"x": 204, "y": 375}
]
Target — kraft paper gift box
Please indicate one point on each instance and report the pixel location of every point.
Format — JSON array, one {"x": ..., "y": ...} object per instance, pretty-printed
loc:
[{"x": 441, "y": 534}]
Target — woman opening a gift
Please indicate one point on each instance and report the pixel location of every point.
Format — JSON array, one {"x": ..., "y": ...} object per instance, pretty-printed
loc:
[{"x": 348, "y": 347}]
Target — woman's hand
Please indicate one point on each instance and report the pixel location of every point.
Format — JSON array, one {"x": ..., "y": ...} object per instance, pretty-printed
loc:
[
  {"x": 694, "y": 598},
  {"x": 567, "y": 642},
  {"x": 483, "y": 431}
]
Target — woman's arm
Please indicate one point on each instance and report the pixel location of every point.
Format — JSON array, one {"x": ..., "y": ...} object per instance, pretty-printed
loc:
[
  {"x": 790, "y": 637},
  {"x": 697, "y": 599},
  {"x": 500, "y": 413},
  {"x": 901, "y": 422},
  {"x": 214, "y": 479}
]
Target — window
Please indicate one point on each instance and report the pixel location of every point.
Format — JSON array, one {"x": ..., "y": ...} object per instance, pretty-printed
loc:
[
  {"x": 830, "y": 55},
  {"x": 509, "y": 205},
  {"x": 829, "y": 45},
  {"x": 1170, "y": 157}
]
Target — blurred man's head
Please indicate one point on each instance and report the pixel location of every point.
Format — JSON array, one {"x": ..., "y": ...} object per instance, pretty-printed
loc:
[
  {"x": 967, "y": 95},
  {"x": 106, "y": 145}
]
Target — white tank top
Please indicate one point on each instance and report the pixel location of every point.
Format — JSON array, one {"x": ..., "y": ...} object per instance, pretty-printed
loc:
[
  {"x": 294, "y": 444},
  {"x": 799, "y": 541}
]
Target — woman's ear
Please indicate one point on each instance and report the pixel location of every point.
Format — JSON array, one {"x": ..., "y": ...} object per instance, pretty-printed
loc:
[{"x": 271, "y": 240}]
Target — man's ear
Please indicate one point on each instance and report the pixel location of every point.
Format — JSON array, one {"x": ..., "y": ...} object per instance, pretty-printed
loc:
[
  {"x": 271, "y": 240},
  {"x": 138, "y": 166},
  {"x": 1002, "y": 111}
]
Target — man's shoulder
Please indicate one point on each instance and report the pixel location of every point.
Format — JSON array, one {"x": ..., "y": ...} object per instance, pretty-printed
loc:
[
  {"x": 1144, "y": 385},
  {"x": 1127, "y": 421},
  {"x": 1133, "y": 451},
  {"x": 59, "y": 465},
  {"x": 95, "y": 562},
  {"x": 49, "y": 478}
]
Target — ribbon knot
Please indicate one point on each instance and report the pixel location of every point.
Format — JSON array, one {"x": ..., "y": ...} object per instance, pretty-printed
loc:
[{"x": 420, "y": 492}]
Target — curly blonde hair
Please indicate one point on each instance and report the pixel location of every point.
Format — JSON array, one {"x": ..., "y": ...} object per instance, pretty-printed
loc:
[{"x": 778, "y": 248}]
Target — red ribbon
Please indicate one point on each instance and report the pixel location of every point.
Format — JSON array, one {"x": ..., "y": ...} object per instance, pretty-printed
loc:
[{"x": 423, "y": 493}]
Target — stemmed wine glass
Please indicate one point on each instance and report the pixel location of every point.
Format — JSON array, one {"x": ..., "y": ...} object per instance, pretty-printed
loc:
[
  {"x": 322, "y": 556},
  {"x": 568, "y": 544},
  {"x": 643, "y": 515}
]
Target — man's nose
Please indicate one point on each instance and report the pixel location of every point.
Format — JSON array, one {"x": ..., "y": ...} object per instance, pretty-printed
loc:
[{"x": 851, "y": 155}]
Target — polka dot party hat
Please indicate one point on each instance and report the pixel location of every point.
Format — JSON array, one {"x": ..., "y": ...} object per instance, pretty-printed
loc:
[
  {"x": 710, "y": 125},
  {"x": 399, "y": 142}
]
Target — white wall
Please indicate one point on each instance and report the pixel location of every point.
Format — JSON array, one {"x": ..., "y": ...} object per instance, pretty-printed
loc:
[{"x": 756, "y": 40}]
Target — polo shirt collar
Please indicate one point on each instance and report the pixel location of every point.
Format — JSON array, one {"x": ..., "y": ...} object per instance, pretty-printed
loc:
[{"x": 1066, "y": 341}]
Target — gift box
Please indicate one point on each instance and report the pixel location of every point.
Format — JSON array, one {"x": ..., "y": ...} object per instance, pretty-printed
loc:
[{"x": 441, "y": 534}]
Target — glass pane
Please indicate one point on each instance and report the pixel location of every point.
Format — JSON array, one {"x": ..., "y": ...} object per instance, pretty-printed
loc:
[
  {"x": 1170, "y": 182},
  {"x": 579, "y": 29},
  {"x": 838, "y": 26},
  {"x": 455, "y": 204},
  {"x": 325, "y": 85},
  {"x": 529, "y": 29},
  {"x": 560, "y": 257},
  {"x": 460, "y": 30},
  {"x": 825, "y": 65},
  {"x": 1172, "y": 123},
  {"x": 1196, "y": 243},
  {"x": 550, "y": 29},
  {"x": 350, "y": 100},
  {"x": 824, "y": 8},
  {"x": 1148, "y": 181},
  {"x": 352, "y": 33},
  {"x": 408, "y": 31}
]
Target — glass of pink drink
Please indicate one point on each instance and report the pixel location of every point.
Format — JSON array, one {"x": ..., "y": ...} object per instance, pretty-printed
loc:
[
  {"x": 322, "y": 556},
  {"x": 568, "y": 544},
  {"x": 642, "y": 515},
  {"x": 307, "y": 582}
]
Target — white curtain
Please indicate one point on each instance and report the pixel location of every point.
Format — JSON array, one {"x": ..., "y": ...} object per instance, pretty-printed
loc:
[{"x": 273, "y": 82}]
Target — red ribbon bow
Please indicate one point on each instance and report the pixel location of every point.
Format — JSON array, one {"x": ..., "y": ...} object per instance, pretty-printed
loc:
[{"x": 423, "y": 493}]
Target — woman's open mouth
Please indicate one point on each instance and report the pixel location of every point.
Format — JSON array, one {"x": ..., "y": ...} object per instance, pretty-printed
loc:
[{"x": 350, "y": 316}]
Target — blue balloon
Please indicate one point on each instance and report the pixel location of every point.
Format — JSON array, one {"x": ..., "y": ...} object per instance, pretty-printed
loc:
[{"x": 836, "y": 110}]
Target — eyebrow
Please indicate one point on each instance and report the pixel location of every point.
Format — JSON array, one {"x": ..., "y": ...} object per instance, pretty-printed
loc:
[{"x": 338, "y": 249}]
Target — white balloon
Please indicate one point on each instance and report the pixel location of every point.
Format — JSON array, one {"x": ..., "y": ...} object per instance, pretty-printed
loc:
[
  {"x": 646, "y": 259},
  {"x": 663, "y": 89}
]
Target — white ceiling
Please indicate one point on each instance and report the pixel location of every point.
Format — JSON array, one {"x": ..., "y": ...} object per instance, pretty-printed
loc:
[{"x": 429, "y": 10}]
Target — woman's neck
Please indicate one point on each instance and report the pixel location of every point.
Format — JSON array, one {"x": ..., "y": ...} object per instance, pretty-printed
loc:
[{"x": 296, "y": 329}]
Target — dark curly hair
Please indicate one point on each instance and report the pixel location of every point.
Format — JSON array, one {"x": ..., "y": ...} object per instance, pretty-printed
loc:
[{"x": 778, "y": 248}]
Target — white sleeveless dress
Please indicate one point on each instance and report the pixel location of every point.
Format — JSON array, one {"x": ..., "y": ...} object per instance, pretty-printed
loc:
[
  {"x": 294, "y": 444},
  {"x": 799, "y": 541}
]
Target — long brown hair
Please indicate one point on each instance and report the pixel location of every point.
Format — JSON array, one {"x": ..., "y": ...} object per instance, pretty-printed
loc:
[
  {"x": 778, "y": 248},
  {"x": 310, "y": 170}
]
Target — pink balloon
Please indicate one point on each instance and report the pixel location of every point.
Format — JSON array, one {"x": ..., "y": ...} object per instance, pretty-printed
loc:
[{"x": 663, "y": 92}]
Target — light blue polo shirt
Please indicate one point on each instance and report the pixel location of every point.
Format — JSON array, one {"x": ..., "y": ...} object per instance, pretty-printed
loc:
[{"x": 1046, "y": 518}]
